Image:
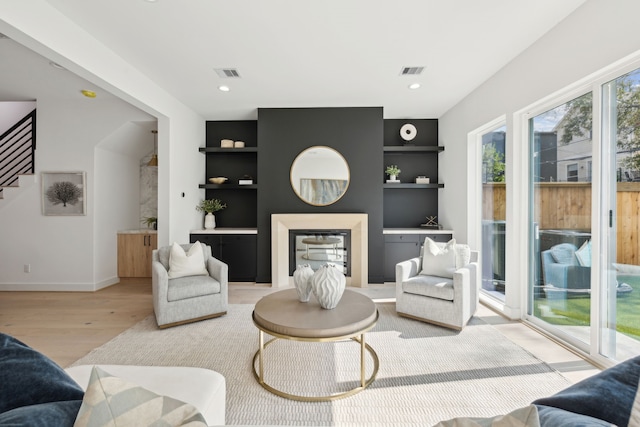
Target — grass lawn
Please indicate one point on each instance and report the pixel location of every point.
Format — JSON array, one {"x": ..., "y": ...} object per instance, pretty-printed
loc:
[{"x": 577, "y": 310}]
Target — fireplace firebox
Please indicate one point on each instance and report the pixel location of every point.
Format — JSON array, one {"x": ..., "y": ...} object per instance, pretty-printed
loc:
[{"x": 319, "y": 247}]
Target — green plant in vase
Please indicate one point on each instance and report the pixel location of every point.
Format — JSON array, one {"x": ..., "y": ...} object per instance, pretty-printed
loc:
[
  {"x": 151, "y": 222},
  {"x": 393, "y": 171},
  {"x": 210, "y": 206}
]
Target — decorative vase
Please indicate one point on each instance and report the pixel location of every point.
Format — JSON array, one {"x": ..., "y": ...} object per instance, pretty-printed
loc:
[
  {"x": 302, "y": 280},
  {"x": 392, "y": 177},
  {"x": 209, "y": 221},
  {"x": 328, "y": 286}
]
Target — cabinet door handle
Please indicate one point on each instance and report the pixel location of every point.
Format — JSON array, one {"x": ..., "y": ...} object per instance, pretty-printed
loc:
[{"x": 145, "y": 240}]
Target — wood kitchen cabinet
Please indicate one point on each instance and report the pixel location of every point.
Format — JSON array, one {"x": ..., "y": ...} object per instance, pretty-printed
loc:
[{"x": 134, "y": 253}]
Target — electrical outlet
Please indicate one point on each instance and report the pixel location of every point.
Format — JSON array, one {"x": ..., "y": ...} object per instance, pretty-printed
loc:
[{"x": 27, "y": 268}]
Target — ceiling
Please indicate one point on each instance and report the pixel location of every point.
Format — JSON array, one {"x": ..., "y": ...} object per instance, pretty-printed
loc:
[{"x": 311, "y": 53}]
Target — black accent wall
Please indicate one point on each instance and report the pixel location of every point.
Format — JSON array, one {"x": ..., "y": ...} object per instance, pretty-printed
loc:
[{"x": 357, "y": 133}]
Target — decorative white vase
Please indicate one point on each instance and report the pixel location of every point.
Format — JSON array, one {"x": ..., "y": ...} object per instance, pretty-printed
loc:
[
  {"x": 209, "y": 221},
  {"x": 392, "y": 177},
  {"x": 328, "y": 285},
  {"x": 302, "y": 280}
]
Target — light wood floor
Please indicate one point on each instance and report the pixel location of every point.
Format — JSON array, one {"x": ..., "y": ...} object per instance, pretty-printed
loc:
[{"x": 67, "y": 325}]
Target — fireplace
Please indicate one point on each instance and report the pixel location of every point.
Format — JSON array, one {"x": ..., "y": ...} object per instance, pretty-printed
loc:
[
  {"x": 355, "y": 224},
  {"x": 319, "y": 247}
]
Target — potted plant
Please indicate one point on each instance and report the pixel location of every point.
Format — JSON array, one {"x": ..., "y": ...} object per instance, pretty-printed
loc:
[
  {"x": 210, "y": 206},
  {"x": 151, "y": 222},
  {"x": 392, "y": 171}
]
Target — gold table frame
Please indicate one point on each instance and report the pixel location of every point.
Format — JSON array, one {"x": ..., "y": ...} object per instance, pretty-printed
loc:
[{"x": 364, "y": 382}]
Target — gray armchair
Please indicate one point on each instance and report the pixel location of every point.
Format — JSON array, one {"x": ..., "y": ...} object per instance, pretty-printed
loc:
[
  {"x": 191, "y": 298},
  {"x": 448, "y": 302}
]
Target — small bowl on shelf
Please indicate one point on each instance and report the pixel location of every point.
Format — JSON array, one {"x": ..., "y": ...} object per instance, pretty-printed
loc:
[{"x": 218, "y": 180}]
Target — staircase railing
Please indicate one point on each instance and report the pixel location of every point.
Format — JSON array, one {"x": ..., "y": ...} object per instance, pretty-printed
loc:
[{"x": 17, "y": 150}]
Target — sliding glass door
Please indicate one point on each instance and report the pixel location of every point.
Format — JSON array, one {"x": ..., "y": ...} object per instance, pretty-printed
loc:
[
  {"x": 560, "y": 218},
  {"x": 619, "y": 330},
  {"x": 584, "y": 172},
  {"x": 494, "y": 206}
]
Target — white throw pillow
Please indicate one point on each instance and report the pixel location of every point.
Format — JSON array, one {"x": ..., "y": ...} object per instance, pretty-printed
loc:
[
  {"x": 112, "y": 401},
  {"x": 183, "y": 264},
  {"x": 438, "y": 259},
  {"x": 521, "y": 417},
  {"x": 584, "y": 254}
]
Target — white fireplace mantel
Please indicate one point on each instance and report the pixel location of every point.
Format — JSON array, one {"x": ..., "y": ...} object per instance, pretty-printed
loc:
[{"x": 282, "y": 223}]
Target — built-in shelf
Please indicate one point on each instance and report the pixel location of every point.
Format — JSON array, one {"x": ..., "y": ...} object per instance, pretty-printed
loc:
[
  {"x": 410, "y": 185},
  {"x": 228, "y": 150},
  {"x": 228, "y": 186},
  {"x": 412, "y": 148}
]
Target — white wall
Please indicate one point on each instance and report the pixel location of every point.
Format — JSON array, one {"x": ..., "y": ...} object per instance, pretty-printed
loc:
[
  {"x": 12, "y": 112},
  {"x": 62, "y": 250},
  {"x": 40, "y": 27},
  {"x": 596, "y": 35}
]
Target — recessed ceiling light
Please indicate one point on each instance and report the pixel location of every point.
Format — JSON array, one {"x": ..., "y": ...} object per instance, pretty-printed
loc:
[
  {"x": 88, "y": 93},
  {"x": 224, "y": 88},
  {"x": 151, "y": 1},
  {"x": 414, "y": 85}
]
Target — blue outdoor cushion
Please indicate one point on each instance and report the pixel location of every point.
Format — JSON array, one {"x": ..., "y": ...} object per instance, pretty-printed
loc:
[
  {"x": 27, "y": 377},
  {"x": 564, "y": 253},
  {"x": 607, "y": 396}
]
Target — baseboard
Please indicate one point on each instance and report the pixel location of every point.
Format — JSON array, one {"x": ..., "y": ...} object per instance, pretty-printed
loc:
[
  {"x": 48, "y": 287},
  {"x": 106, "y": 283}
]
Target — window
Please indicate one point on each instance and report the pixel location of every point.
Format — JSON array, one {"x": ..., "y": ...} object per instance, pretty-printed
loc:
[{"x": 572, "y": 172}]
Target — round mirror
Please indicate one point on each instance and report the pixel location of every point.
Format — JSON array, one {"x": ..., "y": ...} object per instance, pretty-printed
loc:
[{"x": 320, "y": 176}]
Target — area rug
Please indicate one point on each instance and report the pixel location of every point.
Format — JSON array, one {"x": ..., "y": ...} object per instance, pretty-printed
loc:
[{"x": 427, "y": 373}]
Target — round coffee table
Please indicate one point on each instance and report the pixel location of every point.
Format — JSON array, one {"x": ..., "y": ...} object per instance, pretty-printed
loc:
[{"x": 282, "y": 315}]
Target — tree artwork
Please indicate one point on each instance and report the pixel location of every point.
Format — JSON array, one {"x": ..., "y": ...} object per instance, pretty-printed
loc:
[{"x": 64, "y": 193}]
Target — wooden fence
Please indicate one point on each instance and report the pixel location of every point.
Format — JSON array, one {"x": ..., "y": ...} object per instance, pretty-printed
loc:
[{"x": 567, "y": 206}]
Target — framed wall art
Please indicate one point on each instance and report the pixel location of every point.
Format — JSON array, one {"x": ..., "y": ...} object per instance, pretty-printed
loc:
[{"x": 64, "y": 193}]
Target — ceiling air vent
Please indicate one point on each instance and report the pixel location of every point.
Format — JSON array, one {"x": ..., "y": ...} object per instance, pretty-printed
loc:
[
  {"x": 227, "y": 73},
  {"x": 411, "y": 71}
]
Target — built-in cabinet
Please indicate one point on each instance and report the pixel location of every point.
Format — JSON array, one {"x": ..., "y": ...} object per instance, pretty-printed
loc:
[
  {"x": 234, "y": 164},
  {"x": 238, "y": 251},
  {"x": 408, "y": 204},
  {"x": 364, "y": 138},
  {"x": 134, "y": 253},
  {"x": 402, "y": 245}
]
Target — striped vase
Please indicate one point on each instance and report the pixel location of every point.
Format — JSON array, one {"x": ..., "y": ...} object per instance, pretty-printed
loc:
[
  {"x": 328, "y": 285},
  {"x": 302, "y": 281}
]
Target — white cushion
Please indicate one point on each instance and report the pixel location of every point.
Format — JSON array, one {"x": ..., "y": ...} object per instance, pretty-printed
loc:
[
  {"x": 183, "y": 264},
  {"x": 111, "y": 401},
  {"x": 522, "y": 417},
  {"x": 438, "y": 259},
  {"x": 463, "y": 255},
  {"x": 203, "y": 388}
]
